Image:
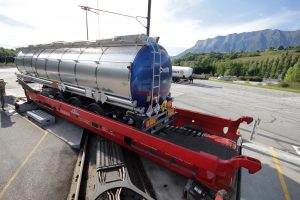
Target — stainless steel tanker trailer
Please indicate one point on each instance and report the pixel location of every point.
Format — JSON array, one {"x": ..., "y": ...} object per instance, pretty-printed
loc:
[
  {"x": 181, "y": 73},
  {"x": 127, "y": 78}
]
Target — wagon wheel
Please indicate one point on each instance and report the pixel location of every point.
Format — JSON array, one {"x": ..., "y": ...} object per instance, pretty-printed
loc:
[
  {"x": 75, "y": 101},
  {"x": 95, "y": 108},
  {"x": 58, "y": 96}
]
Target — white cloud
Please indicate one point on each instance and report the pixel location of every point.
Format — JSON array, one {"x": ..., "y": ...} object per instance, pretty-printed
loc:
[
  {"x": 58, "y": 20},
  {"x": 270, "y": 22}
]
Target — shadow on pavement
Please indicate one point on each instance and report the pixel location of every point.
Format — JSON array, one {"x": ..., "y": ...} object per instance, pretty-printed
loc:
[
  {"x": 5, "y": 120},
  {"x": 9, "y": 99},
  {"x": 202, "y": 85}
]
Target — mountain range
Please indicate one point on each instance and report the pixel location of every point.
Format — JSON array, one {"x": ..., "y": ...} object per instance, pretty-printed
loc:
[{"x": 248, "y": 41}]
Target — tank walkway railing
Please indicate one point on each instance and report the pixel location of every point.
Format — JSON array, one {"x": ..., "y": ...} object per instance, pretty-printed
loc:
[{"x": 131, "y": 40}]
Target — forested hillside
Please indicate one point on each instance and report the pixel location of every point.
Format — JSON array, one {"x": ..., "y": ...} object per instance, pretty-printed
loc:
[
  {"x": 7, "y": 55},
  {"x": 273, "y": 63}
]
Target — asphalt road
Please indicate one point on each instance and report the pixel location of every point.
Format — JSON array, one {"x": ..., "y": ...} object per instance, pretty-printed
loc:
[
  {"x": 12, "y": 87},
  {"x": 279, "y": 111},
  {"x": 34, "y": 164}
]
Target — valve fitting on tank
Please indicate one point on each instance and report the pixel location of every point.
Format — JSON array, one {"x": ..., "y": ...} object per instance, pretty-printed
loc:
[
  {"x": 149, "y": 111},
  {"x": 157, "y": 108}
]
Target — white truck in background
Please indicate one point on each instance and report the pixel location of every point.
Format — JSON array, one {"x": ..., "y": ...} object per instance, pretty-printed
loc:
[{"x": 182, "y": 73}]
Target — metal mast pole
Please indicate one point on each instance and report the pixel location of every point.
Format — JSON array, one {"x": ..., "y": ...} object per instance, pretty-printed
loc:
[
  {"x": 148, "y": 17},
  {"x": 87, "y": 26}
]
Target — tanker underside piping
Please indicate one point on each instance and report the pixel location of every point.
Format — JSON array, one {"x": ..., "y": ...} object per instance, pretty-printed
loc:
[{"x": 111, "y": 99}]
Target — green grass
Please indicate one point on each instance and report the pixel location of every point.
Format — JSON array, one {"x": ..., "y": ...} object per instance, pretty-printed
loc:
[{"x": 273, "y": 87}]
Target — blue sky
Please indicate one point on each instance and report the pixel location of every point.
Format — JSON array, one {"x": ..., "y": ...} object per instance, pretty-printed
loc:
[
  {"x": 241, "y": 11},
  {"x": 179, "y": 23}
]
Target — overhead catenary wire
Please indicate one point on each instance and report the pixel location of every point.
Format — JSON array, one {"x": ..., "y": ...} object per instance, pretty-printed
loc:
[
  {"x": 97, "y": 11},
  {"x": 115, "y": 13}
]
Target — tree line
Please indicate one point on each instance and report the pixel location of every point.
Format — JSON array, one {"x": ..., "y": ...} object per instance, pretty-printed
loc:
[
  {"x": 7, "y": 55},
  {"x": 230, "y": 64}
]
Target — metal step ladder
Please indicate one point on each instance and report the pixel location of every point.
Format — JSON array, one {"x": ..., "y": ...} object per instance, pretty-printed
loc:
[{"x": 156, "y": 66}]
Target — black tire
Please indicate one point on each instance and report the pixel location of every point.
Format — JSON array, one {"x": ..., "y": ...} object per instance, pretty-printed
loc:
[
  {"x": 75, "y": 101},
  {"x": 175, "y": 79},
  {"x": 95, "y": 108},
  {"x": 58, "y": 96}
]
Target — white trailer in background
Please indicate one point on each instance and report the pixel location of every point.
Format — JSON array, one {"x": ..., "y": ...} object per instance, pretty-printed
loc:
[{"x": 181, "y": 73}]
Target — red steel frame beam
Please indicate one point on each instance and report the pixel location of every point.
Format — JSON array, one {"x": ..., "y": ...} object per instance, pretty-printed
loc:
[
  {"x": 209, "y": 170},
  {"x": 211, "y": 124}
]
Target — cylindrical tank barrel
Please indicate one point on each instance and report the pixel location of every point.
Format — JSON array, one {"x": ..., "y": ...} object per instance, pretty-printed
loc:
[{"x": 126, "y": 71}]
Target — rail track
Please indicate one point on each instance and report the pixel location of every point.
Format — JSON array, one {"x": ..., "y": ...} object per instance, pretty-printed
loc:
[{"x": 106, "y": 171}]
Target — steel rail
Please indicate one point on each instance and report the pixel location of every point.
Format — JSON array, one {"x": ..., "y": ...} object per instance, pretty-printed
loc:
[{"x": 81, "y": 168}]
